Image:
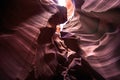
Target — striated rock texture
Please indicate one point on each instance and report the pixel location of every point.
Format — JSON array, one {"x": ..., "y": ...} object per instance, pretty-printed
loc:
[
  {"x": 23, "y": 25},
  {"x": 96, "y": 23}
]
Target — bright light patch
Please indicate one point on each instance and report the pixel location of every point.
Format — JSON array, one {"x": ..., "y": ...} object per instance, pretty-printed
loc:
[{"x": 61, "y": 2}]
